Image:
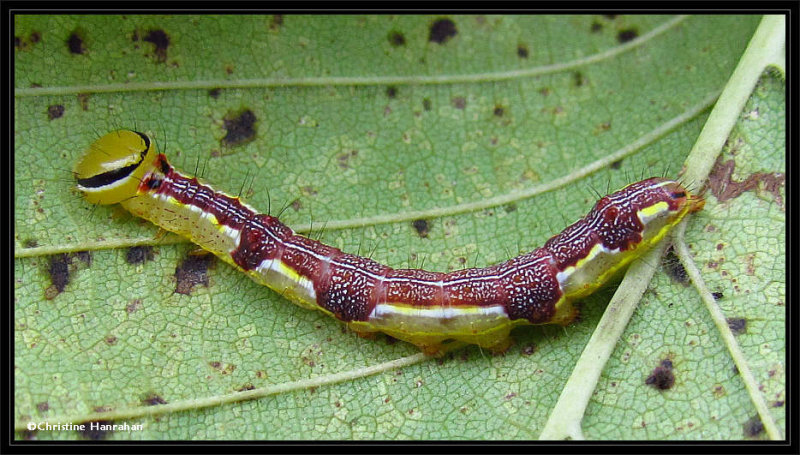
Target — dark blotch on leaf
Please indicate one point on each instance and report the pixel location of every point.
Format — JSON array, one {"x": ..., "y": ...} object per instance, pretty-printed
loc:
[
  {"x": 616, "y": 164},
  {"x": 276, "y": 22},
  {"x": 55, "y": 111},
  {"x": 753, "y": 427},
  {"x": 160, "y": 40},
  {"x": 214, "y": 92},
  {"x": 499, "y": 111},
  {"x": 662, "y": 377},
  {"x": 627, "y": 35},
  {"x": 737, "y": 325},
  {"x": 391, "y": 91},
  {"x": 241, "y": 128},
  {"x": 596, "y": 27},
  {"x": 192, "y": 271},
  {"x": 717, "y": 295},
  {"x": 422, "y": 227},
  {"x": 442, "y": 30},
  {"x": 59, "y": 271},
  {"x": 35, "y": 37},
  {"x": 75, "y": 44},
  {"x": 522, "y": 51},
  {"x": 30, "y": 243},
  {"x": 139, "y": 254},
  {"x": 153, "y": 399},
  {"x": 578, "y": 79},
  {"x": 83, "y": 100},
  {"x": 396, "y": 38},
  {"x": 674, "y": 268},
  {"x": 94, "y": 430},
  {"x": 134, "y": 306},
  {"x": 83, "y": 256},
  {"x": 426, "y": 104}
]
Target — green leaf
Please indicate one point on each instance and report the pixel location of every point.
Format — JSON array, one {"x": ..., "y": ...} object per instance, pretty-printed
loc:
[{"x": 499, "y": 136}]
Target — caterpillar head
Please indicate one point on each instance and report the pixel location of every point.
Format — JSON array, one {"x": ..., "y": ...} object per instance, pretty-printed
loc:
[
  {"x": 111, "y": 168},
  {"x": 641, "y": 213}
]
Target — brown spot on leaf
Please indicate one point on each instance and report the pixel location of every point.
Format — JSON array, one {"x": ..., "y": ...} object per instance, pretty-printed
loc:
[
  {"x": 75, "y": 43},
  {"x": 737, "y": 325},
  {"x": 153, "y": 399},
  {"x": 160, "y": 41},
  {"x": 59, "y": 272},
  {"x": 753, "y": 427},
  {"x": 459, "y": 102},
  {"x": 83, "y": 100},
  {"x": 240, "y": 128},
  {"x": 522, "y": 51},
  {"x": 276, "y": 22},
  {"x": 192, "y": 271},
  {"x": 442, "y": 31},
  {"x": 83, "y": 256},
  {"x": 343, "y": 159},
  {"x": 723, "y": 187},
  {"x": 596, "y": 27},
  {"x": 214, "y": 92},
  {"x": 226, "y": 368},
  {"x": 499, "y": 111},
  {"x": 578, "y": 79},
  {"x": 308, "y": 191},
  {"x": 43, "y": 406},
  {"x": 674, "y": 268},
  {"x": 139, "y": 254},
  {"x": 55, "y": 111},
  {"x": 134, "y": 306},
  {"x": 626, "y": 35},
  {"x": 111, "y": 340},
  {"x": 426, "y": 104},
  {"x": 662, "y": 376},
  {"x": 96, "y": 430},
  {"x": 422, "y": 227},
  {"x": 396, "y": 38},
  {"x": 391, "y": 91}
]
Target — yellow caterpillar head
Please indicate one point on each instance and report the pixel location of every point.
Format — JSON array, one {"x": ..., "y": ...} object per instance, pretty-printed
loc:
[{"x": 111, "y": 168}]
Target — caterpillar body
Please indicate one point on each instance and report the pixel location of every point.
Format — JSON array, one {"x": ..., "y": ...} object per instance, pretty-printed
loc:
[{"x": 476, "y": 305}]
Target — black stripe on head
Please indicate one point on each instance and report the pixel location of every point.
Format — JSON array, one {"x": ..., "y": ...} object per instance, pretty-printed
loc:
[
  {"x": 145, "y": 138},
  {"x": 107, "y": 178}
]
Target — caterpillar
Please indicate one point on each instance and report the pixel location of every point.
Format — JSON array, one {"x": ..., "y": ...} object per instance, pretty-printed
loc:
[{"x": 475, "y": 305}]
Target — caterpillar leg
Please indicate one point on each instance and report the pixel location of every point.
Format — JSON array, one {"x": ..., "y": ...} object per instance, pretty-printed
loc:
[
  {"x": 499, "y": 346},
  {"x": 566, "y": 314},
  {"x": 362, "y": 332},
  {"x": 497, "y": 341}
]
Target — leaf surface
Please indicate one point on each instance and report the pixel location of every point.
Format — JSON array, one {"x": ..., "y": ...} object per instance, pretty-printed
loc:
[{"x": 363, "y": 125}]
